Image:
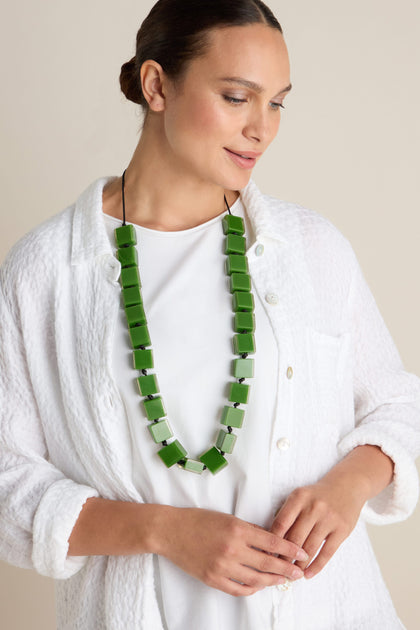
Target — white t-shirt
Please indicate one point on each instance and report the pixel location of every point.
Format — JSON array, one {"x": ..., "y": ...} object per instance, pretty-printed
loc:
[{"x": 188, "y": 308}]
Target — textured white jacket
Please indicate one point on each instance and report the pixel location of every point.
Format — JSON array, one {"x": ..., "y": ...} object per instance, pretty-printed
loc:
[{"x": 64, "y": 438}]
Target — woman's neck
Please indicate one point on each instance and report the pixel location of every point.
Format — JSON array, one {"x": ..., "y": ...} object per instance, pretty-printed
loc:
[{"x": 160, "y": 196}]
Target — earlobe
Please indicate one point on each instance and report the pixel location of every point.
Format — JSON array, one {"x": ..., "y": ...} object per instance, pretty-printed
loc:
[{"x": 151, "y": 76}]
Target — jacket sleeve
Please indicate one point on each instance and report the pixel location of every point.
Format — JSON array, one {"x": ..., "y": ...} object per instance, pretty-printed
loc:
[
  {"x": 38, "y": 504},
  {"x": 386, "y": 405}
]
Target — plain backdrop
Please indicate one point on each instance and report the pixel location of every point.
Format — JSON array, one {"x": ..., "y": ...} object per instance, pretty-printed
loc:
[{"x": 348, "y": 147}]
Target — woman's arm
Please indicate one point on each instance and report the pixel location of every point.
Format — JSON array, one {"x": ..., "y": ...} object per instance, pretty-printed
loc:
[
  {"x": 329, "y": 509},
  {"x": 219, "y": 549}
]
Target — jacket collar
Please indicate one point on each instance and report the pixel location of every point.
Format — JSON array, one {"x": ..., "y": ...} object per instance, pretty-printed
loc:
[{"x": 90, "y": 239}]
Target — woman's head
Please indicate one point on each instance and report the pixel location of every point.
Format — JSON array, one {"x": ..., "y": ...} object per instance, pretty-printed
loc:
[{"x": 177, "y": 31}]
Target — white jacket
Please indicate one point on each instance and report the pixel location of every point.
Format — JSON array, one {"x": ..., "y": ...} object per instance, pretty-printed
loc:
[{"x": 63, "y": 435}]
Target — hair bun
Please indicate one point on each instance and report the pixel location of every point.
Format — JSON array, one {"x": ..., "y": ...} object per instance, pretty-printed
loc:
[{"x": 130, "y": 82}]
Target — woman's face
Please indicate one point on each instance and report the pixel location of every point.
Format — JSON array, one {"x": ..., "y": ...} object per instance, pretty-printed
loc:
[{"x": 228, "y": 104}]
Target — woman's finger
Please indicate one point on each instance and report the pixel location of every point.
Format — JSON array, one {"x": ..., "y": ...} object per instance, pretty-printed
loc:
[{"x": 332, "y": 543}]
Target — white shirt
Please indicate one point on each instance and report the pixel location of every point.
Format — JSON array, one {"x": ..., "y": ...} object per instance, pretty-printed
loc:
[{"x": 64, "y": 429}]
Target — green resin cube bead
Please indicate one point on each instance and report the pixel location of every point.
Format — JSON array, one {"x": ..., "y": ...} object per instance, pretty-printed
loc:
[
  {"x": 240, "y": 282},
  {"x": 140, "y": 336},
  {"x": 128, "y": 256},
  {"x": 160, "y": 431},
  {"x": 232, "y": 417},
  {"x": 148, "y": 385},
  {"x": 235, "y": 263},
  {"x": 131, "y": 296},
  {"x": 130, "y": 277},
  {"x": 125, "y": 235},
  {"x": 243, "y": 301},
  {"x": 193, "y": 466},
  {"x": 154, "y": 408},
  {"x": 225, "y": 441},
  {"x": 244, "y": 342},
  {"x": 214, "y": 460},
  {"x": 135, "y": 315},
  {"x": 235, "y": 244},
  {"x": 239, "y": 393},
  {"x": 143, "y": 359},
  {"x": 172, "y": 453},
  {"x": 232, "y": 224},
  {"x": 243, "y": 368},
  {"x": 244, "y": 321}
]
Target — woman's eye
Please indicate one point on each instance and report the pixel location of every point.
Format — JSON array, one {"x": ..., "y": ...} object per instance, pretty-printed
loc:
[
  {"x": 233, "y": 100},
  {"x": 277, "y": 106}
]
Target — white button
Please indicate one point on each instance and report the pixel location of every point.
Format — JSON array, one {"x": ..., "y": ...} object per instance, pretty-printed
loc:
[
  {"x": 272, "y": 298},
  {"x": 283, "y": 444},
  {"x": 259, "y": 250},
  {"x": 284, "y": 587},
  {"x": 289, "y": 372}
]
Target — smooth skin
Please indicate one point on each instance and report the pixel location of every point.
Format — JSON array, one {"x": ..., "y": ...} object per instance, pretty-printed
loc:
[{"x": 182, "y": 158}]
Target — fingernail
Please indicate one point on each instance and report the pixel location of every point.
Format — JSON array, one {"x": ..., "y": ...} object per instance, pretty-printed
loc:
[
  {"x": 302, "y": 555},
  {"x": 297, "y": 573}
]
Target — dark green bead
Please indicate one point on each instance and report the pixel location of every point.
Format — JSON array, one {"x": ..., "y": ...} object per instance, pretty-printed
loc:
[
  {"x": 235, "y": 263},
  {"x": 131, "y": 296},
  {"x": 135, "y": 315},
  {"x": 243, "y": 301},
  {"x": 154, "y": 408},
  {"x": 235, "y": 244},
  {"x": 244, "y": 342},
  {"x": 148, "y": 385},
  {"x": 143, "y": 359},
  {"x": 243, "y": 368},
  {"x": 239, "y": 392},
  {"x": 128, "y": 256},
  {"x": 232, "y": 417},
  {"x": 240, "y": 282},
  {"x": 140, "y": 336},
  {"x": 160, "y": 431},
  {"x": 233, "y": 224},
  {"x": 214, "y": 460},
  {"x": 125, "y": 235},
  {"x": 225, "y": 441},
  {"x": 172, "y": 453},
  {"x": 130, "y": 277},
  {"x": 244, "y": 322}
]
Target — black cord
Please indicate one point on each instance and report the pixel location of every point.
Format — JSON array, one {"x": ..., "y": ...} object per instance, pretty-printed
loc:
[
  {"x": 227, "y": 205},
  {"x": 123, "y": 196}
]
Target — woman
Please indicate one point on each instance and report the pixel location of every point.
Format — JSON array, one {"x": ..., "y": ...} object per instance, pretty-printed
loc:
[{"x": 268, "y": 535}]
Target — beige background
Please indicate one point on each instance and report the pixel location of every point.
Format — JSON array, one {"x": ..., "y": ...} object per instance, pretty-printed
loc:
[{"x": 348, "y": 148}]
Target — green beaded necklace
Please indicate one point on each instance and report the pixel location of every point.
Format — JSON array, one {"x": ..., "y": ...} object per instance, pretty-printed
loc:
[{"x": 236, "y": 266}]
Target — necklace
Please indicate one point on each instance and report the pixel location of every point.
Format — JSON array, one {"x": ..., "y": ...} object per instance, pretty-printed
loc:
[{"x": 236, "y": 267}]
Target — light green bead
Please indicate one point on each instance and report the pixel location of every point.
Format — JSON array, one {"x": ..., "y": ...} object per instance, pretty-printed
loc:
[
  {"x": 127, "y": 256},
  {"x": 125, "y": 235},
  {"x": 232, "y": 417},
  {"x": 233, "y": 224},
  {"x": 225, "y": 441},
  {"x": 135, "y": 315},
  {"x": 240, "y": 282},
  {"x": 238, "y": 392},
  {"x": 193, "y": 466},
  {"x": 243, "y": 301},
  {"x": 160, "y": 431},
  {"x": 214, "y": 460},
  {"x": 130, "y": 277},
  {"x": 154, "y": 408},
  {"x": 235, "y": 244},
  {"x": 243, "y": 368},
  {"x": 131, "y": 296},
  {"x": 172, "y": 453}
]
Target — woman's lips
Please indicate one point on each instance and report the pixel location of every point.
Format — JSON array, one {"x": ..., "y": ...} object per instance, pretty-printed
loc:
[{"x": 246, "y": 160}]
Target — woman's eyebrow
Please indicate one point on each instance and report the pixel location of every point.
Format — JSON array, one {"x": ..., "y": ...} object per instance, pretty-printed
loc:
[{"x": 253, "y": 86}]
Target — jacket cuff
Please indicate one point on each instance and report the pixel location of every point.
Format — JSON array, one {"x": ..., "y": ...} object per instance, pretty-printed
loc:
[
  {"x": 54, "y": 520},
  {"x": 398, "y": 500}
]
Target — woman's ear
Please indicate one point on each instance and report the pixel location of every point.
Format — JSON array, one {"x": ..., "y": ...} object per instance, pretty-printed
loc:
[{"x": 152, "y": 78}]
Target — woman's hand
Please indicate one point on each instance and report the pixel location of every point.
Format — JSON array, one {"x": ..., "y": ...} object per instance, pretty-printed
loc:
[
  {"x": 225, "y": 552},
  {"x": 329, "y": 509}
]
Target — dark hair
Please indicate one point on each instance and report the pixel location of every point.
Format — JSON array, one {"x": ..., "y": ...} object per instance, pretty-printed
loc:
[{"x": 175, "y": 32}]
